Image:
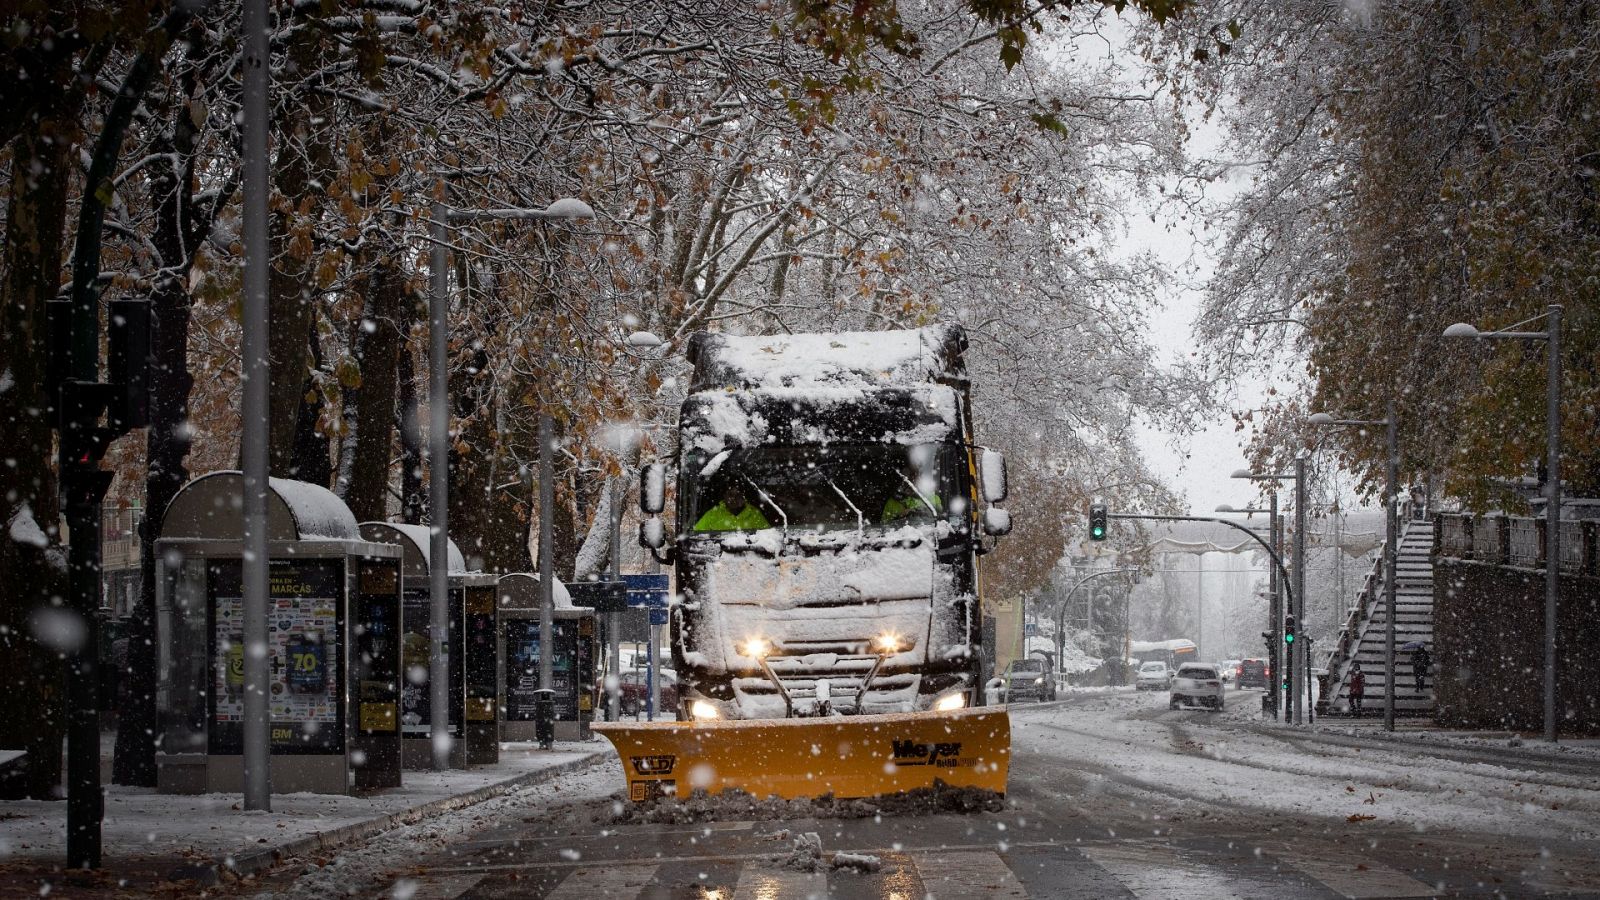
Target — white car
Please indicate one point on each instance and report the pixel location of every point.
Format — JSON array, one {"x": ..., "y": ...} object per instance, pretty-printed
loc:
[
  {"x": 1230, "y": 667},
  {"x": 1197, "y": 684},
  {"x": 1153, "y": 676}
]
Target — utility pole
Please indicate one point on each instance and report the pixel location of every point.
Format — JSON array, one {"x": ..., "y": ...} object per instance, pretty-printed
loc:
[
  {"x": 1297, "y": 651},
  {"x": 255, "y": 422},
  {"x": 547, "y": 544},
  {"x": 439, "y": 681}
]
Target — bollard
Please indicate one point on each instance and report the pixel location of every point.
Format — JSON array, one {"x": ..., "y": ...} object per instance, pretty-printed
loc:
[{"x": 544, "y": 718}]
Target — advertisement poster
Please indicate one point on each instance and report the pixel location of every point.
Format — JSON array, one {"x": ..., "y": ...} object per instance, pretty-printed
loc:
[
  {"x": 416, "y": 701},
  {"x": 377, "y": 657},
  {"x": 302, "y": 636},
  {"x": 571, "y": 671}
]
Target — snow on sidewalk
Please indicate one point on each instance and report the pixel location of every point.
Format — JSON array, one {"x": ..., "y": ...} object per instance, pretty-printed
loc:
[{"x": 202, "y": 829}]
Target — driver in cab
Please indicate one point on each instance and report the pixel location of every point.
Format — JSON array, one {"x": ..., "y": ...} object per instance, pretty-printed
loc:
[{"x": 734, "y": 513}]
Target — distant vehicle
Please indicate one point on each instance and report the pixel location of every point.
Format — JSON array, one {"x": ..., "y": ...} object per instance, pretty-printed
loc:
[
  {"x": 1197, "y": 684},
  {"x": 1254, "y": 673},
  {"x": 1230, "y": 669},
  {"x": 1174, "y": 653},
  {"x": 1153, "y": 676},
  {"x": 1030, "y": 678},
  {"x": 636, "y": 693}
]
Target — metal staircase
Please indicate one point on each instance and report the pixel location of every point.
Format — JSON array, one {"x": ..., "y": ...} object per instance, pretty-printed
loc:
[{"x": 1363, "y": 635}]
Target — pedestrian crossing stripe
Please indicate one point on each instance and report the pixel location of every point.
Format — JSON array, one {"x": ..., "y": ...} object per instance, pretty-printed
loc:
[
  {"x": 604, "y": 880},
  {"x": 765, "y": 880},
  {"x": 1356, "y": 878},
  {"x": 967, "y": 875}
]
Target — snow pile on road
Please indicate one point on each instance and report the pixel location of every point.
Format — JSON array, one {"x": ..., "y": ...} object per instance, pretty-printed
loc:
[{"x": 739, "y": 806}]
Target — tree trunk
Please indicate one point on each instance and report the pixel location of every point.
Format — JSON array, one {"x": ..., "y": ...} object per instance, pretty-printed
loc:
[
  {"x": 310, "y": 461},
  {"x": 304, "y": 163},
  {"x": 379, "y": 345},
  {"x": 30, "y": 554},
  {"x": 413, "y": 502},
  {"x": 166, "y": 446}
]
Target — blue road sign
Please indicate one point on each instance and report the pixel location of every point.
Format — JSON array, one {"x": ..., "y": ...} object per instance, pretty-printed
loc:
[
  {"x": 658, "y": 616},
  {"x": 647, "y": 591},
  {"x": 1032, "y": 629}
]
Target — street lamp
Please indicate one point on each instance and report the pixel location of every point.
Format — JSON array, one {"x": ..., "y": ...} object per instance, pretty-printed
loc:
[
  {"x": 1274, "y": 595},
  {"x": 1391, "y": 425},
  {"x": 1061, "y": 617},
  {"x": 438, "y": 470},
  {"x": 1552, "y": 511},
  {"x": 1293, "y": 705}
]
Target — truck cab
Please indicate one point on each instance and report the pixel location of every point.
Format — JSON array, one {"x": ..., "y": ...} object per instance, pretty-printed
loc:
[{"x": 830, "y": 516}]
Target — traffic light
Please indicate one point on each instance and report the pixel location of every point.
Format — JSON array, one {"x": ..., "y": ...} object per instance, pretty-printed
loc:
[
  {"x": 1288, "y": 629},
  {"x": 1097, "y": 521}
]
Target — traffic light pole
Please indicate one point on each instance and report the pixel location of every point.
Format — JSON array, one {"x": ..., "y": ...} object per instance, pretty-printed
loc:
[{"x": 1274, "y": 613}]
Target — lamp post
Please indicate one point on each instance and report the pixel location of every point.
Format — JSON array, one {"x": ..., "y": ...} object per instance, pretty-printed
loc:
[
  {"x": 1552, "y": 511},
  {"x": 645, "y": 340},
  {"x": 1391, "y": 538},
  {"x": 1274, "y": 595},
  {"x": 1297, "y": 578},
  {"x": 438, "y": 470}
]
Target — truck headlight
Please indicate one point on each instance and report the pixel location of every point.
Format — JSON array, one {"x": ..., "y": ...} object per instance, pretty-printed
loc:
[
  {"x": 700, "y": 709},
  {"x": 949, "y": 702}
]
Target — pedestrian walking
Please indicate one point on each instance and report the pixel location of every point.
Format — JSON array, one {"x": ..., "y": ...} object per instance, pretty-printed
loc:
[
  {"x": 1358, "y": 689},
  {"x": 1420, "y": 661}
]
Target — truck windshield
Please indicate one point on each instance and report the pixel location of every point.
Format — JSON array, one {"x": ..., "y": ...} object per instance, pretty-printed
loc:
[{"x": 822, "y": 487}]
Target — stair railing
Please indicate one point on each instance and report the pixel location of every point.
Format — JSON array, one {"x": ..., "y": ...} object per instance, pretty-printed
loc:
[{"x": 1349, "y": 640}]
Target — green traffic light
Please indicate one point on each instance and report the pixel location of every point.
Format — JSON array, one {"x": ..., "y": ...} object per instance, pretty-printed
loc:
[
  {"x": 1099, "y": 532},
  {"x": 1288, "y": 639}
]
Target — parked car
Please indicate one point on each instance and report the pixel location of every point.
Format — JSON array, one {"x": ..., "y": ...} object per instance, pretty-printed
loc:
[
  {"x": 1153, "y": 676},
  {"x": 1029, "y": 678},
  {"x": 636, "y": 693},
  {"x": 1252, "y": 673},
  {"x": 1230, "y": 669},
  {"x": 1197, "y": 684}
]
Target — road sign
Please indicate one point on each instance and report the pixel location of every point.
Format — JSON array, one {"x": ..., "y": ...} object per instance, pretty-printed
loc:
[
  {"x": 1031, "y": 629},
  {"x": 647, "y": 591},
  {"x": 602, "y": 596},
  {"x": 658, "y": 616}
]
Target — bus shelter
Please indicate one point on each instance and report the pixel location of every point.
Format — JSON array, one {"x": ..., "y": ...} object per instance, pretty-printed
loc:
[
  {"x": 333, "y": 615},
  {"x": 575, "y": 648},
  {"x": 470, "y": 651}
]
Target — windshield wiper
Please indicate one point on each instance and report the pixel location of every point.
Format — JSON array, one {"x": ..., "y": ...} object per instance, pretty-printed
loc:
[
  {"x": 927, "y": 501},
  {"x": 861, "y": 521},
  {"x": 782, "y": 516}
]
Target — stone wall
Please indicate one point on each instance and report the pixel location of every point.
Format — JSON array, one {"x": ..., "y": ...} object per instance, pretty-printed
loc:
[{"x": 1488, "y": 648}]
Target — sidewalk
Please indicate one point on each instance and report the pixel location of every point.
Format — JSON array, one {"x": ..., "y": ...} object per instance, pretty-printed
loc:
[{"x": 166, "y": 836}]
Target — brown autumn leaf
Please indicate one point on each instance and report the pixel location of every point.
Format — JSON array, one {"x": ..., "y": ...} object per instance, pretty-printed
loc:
[{"x": 1359, "y": 817}]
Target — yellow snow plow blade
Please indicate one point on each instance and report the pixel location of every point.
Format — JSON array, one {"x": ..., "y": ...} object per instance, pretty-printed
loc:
[{"x": 846, "y": 756}]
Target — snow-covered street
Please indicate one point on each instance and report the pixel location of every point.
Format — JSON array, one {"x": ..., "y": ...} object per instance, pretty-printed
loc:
[{"x": 1111, "y": 795}]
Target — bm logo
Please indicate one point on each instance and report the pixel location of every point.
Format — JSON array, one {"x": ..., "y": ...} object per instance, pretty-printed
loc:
[
  {"x": 654, "y": 765},
  {"x": 912, "y": 753}
]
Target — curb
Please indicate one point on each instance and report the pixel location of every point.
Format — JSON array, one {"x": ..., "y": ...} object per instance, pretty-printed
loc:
[{"x": 256, "y": 860}]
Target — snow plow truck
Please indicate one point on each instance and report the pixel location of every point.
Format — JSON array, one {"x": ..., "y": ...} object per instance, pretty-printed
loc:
[{"x": 831, "y": 509}]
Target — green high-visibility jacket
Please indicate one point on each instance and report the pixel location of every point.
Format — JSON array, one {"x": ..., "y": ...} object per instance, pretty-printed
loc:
[
  {"x": 719, "y": 518},
  {"x": 900, "y": 507}
]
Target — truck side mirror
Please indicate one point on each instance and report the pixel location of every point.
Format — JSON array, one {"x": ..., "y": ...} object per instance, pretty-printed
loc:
[
  {"x": 996, "y": 521},
  {"x": 653, "y": 490},
  {"x": 992, "y": 476},
  {"x": 652, "y": 534}
]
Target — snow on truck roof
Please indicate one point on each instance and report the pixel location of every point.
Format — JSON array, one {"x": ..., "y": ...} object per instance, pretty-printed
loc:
[
  {"x": 890, "y": 386},
  {"x": 855, "y": 359}
]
